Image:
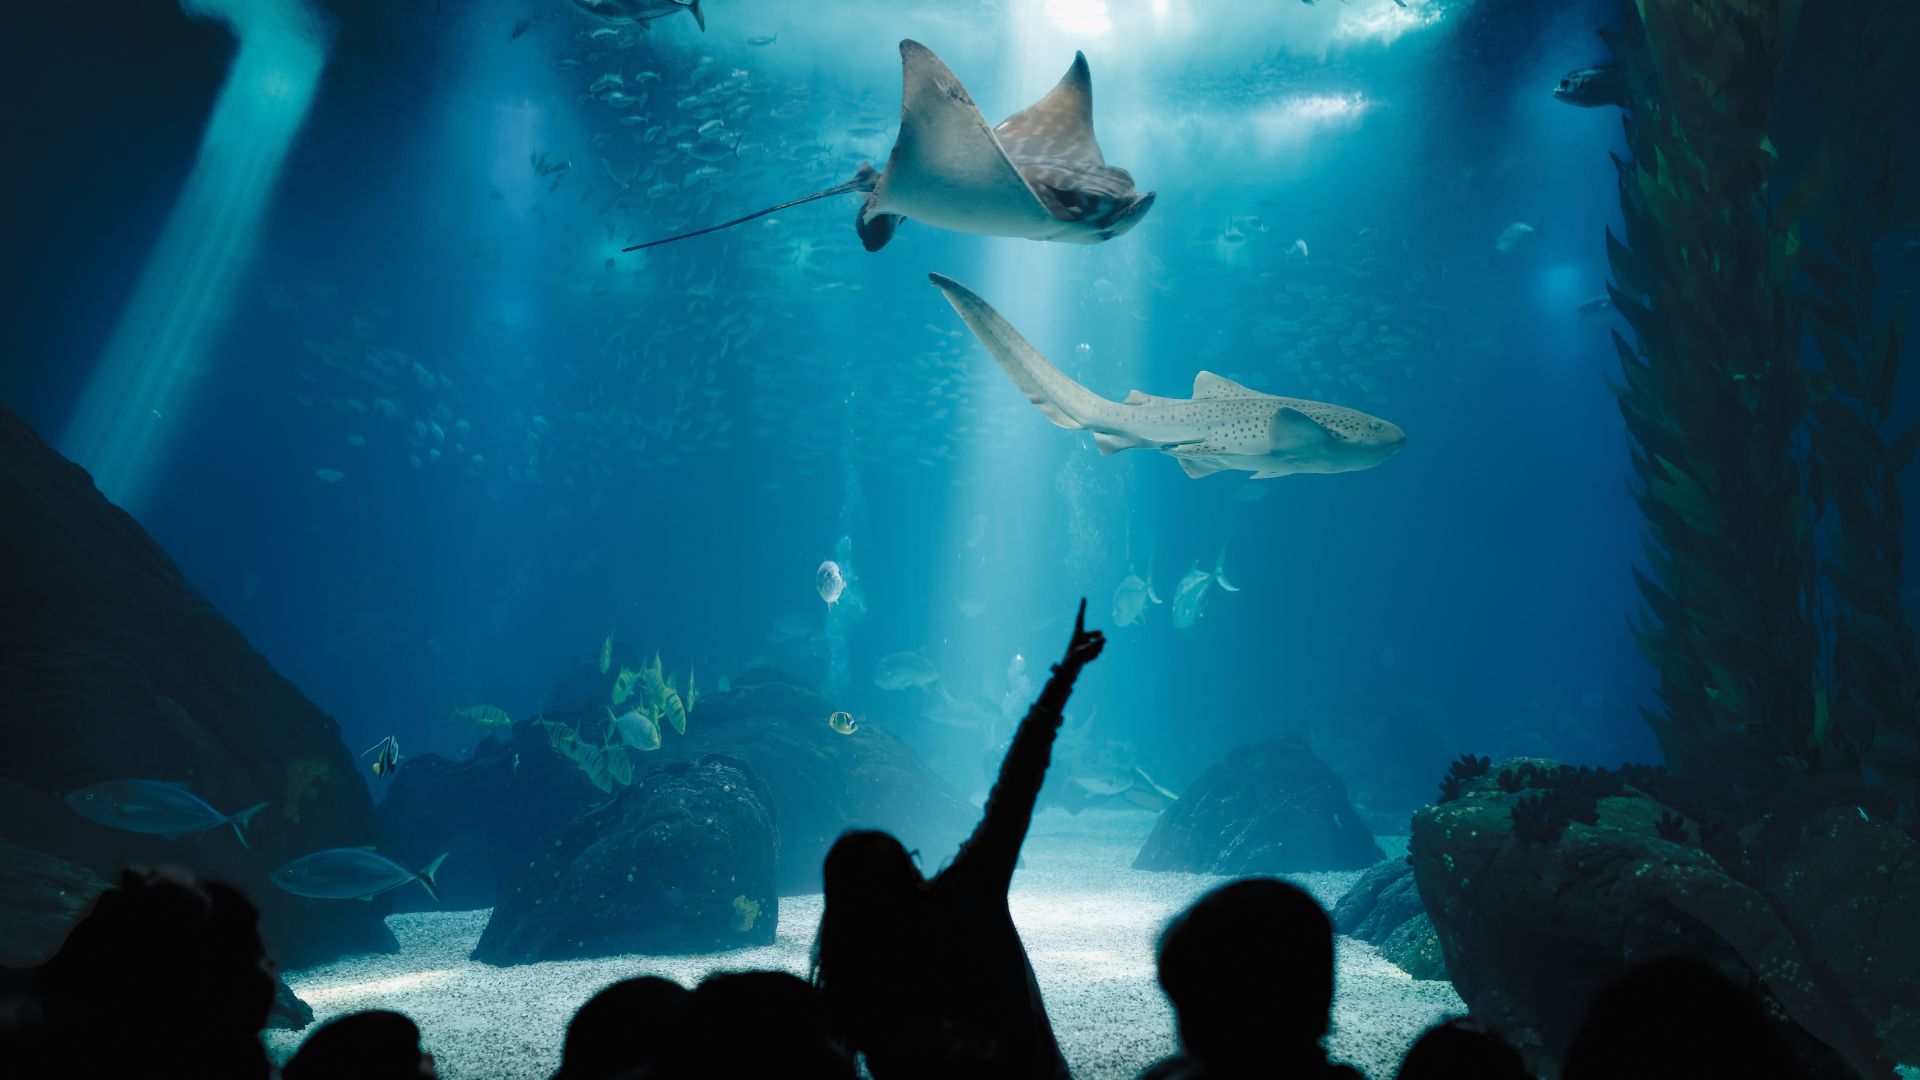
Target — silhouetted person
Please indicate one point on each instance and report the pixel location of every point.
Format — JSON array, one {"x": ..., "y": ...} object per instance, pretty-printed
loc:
[
  {"x": 1249, "y": 970},
  {"x": 928, "y": 978},
  {"x": 1461, "y": 1050},
  {"x": 165, "y": 977},
  {"x": 1673, "y": 1019},
  {"x": 373, "y": 1045},
  {"x": 758, "y": 1024},
  {"x": 626, "y": 1028}
]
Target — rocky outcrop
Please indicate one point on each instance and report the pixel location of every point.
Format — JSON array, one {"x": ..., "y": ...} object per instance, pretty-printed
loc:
[
  {"x": 494, "y": 811},
  {"x": 682, "y": 861},
  {"x": 113, "y": 667},
  {"x": 1384, "y": 909},
  {"x": 1269, "y": 808},
  {"x": 1544, "y": 883},
  {"x": 489, "y": 814}
]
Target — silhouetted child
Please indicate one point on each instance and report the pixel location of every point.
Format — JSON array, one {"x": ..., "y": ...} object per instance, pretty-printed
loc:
[
  {"x": 928, "y": 979},
  {"x": 166, "y": 976},
  {"x": 1460, "y": 1050},
  {"x": 1677, "y": 1019},
  {"x": 631, "y": 1026},
  {"x": 1249, "y": 970},
  {"x": 759, "y": 1024},
  {"x": 373, "y": 1045}
]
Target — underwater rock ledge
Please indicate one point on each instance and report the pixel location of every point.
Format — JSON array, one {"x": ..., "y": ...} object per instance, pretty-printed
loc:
[
  {"x": 113, "y": 667},
  {"x": 1269, "y": 808},
  {"x": 682, "y": 861}
]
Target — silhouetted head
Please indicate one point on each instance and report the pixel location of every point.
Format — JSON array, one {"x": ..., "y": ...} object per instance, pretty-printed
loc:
[
  {"x": 1461, "y": 1050},
  {"x": 762, "y": 1023},
  {"x": 872, "y": 886},
  {"x": 628, "y": 1026},
  {"x": 1677, "y": 1018},
  {"x": 176, "y": 967},
  {"x": 1249, "y": 970},
  {"x": 372, "y": 1045}
]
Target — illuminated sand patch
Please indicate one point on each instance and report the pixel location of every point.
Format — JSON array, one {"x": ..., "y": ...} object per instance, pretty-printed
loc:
[{"x": 1089, "y": 921}]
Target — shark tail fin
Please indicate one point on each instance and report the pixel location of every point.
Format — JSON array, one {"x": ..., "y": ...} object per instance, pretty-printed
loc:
[
  {"x": 1220, "y": 571},
  {"x": 425, "y": 877},
  {"x": 862, "y": 181},
  {"x": 239, "y": 822},
  {"x": 698, "y": 15},
  {"x": 1061, "y": 400}
]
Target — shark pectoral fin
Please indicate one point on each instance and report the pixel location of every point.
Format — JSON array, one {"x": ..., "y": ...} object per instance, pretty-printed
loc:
[
  {"x": 875, "y": 229},
  {"x": 947, "y": 168},
  {"x": 1112, "y": 444},
  {"x": 1268, "y": 474},
  {"x": 1291, "y": 428}
]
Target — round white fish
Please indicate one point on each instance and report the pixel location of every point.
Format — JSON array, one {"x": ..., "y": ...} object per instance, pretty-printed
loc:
[{"x": 828, "y": 582}]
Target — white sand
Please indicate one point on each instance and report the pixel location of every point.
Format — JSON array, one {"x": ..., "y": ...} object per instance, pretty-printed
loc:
[{"x": 1090, "y": 924}]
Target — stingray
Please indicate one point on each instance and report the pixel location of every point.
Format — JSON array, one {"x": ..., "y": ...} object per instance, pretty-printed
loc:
[{"x": 1038, "y": 176}]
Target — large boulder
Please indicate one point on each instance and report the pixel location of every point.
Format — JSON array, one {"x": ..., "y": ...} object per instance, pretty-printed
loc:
[
  {"x": 41, "y": 897},
  {"x": 1384, "y": 909},
  {"x": 112, "y": 667},
  {"x": 1269, "y": 808},
  {"x": 495, "y": 810},
  {"x": 1544, "y": 883},
  {"x": 489, "y": 814},
  {"x": 681, "y": 861}
]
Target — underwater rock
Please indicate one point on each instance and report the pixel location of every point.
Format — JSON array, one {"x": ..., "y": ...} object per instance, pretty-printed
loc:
[
  {"x": 822, "y": 783},
  {"x": 288, "y": 1013},
  {"x": 489, "y": 814},
  {"x": 1269, "y": 808},
  {"x": 1530, "y": 930},
  {"x": 1384, "y": 908},
  {"x": 41, "y": 897},
  {"x": 114, "y": 667},
  {"x": 681, "y": 861}
]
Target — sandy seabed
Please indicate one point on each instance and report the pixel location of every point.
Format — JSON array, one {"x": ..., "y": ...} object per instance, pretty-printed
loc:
[{"x": 1090, "y": 923}]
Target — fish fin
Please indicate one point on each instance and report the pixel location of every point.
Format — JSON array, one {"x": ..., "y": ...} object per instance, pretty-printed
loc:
[
  {"x": 1220, "y": 571},
  {"x": 1111, "y": 444},
  {"x": 1208, "y": 385},
  {"x": 1059, "y": 125},
  {"x": 1268, "y": 474},
  {"x": 947, "y": 160},
  {"x": 376, "y": 768},
  {"x": 239, "y": 822},
  {"x": 1139, "y": 397},
  {"x": 1292, "y": 428},
  {"x": 425, "y": 877},
  {"x": 1190, "y": 459},
  {"x": 1153, "y": 596},
  {"x": 698, "y": 15}
]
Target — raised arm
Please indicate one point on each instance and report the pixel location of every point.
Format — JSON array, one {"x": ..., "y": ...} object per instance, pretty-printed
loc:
[{"x": 994, "y": 848}]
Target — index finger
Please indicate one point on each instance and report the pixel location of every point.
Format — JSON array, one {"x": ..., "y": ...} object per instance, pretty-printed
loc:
[{"x": 1080, "y": 620}]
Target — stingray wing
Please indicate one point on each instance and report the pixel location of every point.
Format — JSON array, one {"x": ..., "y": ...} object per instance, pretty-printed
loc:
[
  {"x": 947, "y": 168},
  {"x": 1059, "y": 125}
]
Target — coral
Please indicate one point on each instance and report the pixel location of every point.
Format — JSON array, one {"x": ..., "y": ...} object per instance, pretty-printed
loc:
[
  {"x": 1511, "y": 782},
  {"x": 1672, "y": 827},
  {"x": 1466, "y": 767},
  {"x": 1537, "y": 819},
  {"x": 1450, "y": 788},
  {"x": 304, "y": 777}
]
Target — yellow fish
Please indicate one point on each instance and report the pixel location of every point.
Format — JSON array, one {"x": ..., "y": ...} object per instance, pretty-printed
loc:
[
  {"x": 623, "y": 684},
  {"x": 386, "y": 756},
  {"x": 606, "y": 654},
  {"x": 485, "y": 716},
  {"x": 843, "y": 723}
]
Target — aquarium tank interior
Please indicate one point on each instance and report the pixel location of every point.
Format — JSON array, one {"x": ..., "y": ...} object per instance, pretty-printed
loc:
[{"x": 1062, "y": 528}]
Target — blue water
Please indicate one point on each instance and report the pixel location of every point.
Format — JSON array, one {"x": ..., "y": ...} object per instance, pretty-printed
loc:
[{"x": 686, "y": 473}]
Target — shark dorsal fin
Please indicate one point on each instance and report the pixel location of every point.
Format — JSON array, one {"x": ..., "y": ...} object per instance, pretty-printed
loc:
[
  {"x": 1208, "y": 385},
  {"x": 947, "y": 168},
  {"x": 1059, "y": 125}
]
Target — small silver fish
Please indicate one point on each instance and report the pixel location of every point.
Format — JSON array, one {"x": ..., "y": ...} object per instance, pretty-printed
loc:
[{"x": 828, "y": 582}]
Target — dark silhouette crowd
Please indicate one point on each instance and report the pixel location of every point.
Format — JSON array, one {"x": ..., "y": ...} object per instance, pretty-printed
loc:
[{"x": 914, "y": 978}]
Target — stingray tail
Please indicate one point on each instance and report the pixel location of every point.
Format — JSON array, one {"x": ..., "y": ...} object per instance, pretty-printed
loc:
[
  {"x": 864, "y": 180},
  {"x": 1059, "y": 398}
]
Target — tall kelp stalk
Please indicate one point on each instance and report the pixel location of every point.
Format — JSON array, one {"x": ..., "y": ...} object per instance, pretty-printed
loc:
[
  {"x": 1714, "y": 393},
  {"x": 1869, "y": 726}
]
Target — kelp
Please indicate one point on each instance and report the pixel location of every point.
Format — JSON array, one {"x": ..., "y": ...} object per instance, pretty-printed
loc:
[{"x": 1713, "y": 391}]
